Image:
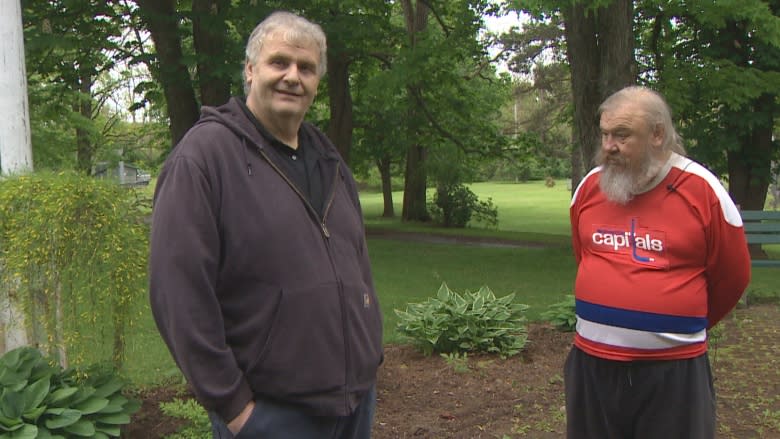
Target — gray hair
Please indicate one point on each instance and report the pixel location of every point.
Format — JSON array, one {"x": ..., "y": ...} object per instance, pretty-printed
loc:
[
  {"x": 294, "y": 29},
  {"x": 656, "y": 112}
]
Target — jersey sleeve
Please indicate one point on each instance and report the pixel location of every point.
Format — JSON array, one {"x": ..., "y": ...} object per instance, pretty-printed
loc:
[
  {"x": 728, "y": 261},
  {"x": 574, "y": 213}
]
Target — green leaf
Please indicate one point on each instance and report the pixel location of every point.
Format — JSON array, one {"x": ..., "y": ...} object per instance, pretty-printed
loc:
[
  {"x": 110, "y": 387},
  {"x": 82, "y": 427},
  {"x": 479, "y": 304},
  {"x": 34, "y": 414},
  {"x": 91, "y": 405},
  {"x": 444, "y": 293},
  {"x": 28, "y": 431},
  {"x": 43, "y": 433},
  {"x": 110, "y": 430},
  {"x": 115, "y": 404},
  {"x": 7, "y": 424},
  {"x": 34, "y": 394},
  {"x": 83, "y": 393},
  {"x": 62, "y": 394},
  {"x": 68, "y": 417},
  {"x": 115, "y": 419},
  {"x": 11, "y": 404}
]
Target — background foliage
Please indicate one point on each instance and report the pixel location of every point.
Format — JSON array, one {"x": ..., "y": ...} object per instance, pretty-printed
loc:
[{"x": 74, "y": 249}]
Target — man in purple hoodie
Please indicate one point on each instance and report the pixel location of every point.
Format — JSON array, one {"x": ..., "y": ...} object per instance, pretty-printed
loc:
[{"x": 260, "y": 281}]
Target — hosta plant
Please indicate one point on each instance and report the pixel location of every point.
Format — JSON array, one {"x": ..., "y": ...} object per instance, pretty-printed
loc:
[
  {"x": 562, "y": 314},
  {"x": 39, "y": 399},
  {"x": 470, "y": 322}
]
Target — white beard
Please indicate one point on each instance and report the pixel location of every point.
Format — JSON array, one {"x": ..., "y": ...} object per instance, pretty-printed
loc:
[{"x": 620, "y": 181}]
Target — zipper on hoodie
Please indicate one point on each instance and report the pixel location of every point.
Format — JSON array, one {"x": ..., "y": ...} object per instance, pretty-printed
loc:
[
  {"x": 325, "y": 212},
  {"x": 305, "y": 200},
  {"x": 326, "y": 234}
]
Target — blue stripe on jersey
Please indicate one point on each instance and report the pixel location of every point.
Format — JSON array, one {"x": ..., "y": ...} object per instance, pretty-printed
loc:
[{"x": 642, "y": 321}]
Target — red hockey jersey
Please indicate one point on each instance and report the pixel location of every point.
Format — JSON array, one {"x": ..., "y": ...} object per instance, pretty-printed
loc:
[{"x": 653, "y": 275}]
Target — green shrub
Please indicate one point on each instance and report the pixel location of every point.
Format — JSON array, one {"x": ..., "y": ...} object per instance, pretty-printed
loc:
[
  {"x": 562, "y": 314},
  {"x": 199, "y": 425},
  {"x": 473, "y": 322},
  {"x": 454, "y": 205},
  {"x": 41, "y": 400}
]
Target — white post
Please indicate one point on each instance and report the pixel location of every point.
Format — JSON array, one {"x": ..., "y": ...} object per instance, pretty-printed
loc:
[{"x": 15, "y": 146}]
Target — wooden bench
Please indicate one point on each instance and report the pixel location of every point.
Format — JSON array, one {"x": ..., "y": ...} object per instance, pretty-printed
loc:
[{"x": 762, "y": 227}]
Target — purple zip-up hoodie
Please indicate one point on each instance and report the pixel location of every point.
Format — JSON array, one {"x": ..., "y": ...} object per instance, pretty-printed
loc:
[{"x": 255, "y": 293}]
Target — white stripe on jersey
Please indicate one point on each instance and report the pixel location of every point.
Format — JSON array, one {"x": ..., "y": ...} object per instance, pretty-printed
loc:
[
  {"x": 730, "y": 211},
  {"x": 635, "y": 339}
]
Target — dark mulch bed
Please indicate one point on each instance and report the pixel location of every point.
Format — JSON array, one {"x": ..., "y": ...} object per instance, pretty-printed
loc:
[{"x": 428, "y": 397}]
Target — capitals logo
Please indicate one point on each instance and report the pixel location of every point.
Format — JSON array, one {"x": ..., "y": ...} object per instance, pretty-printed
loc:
[{"x": 642, "y": 245}]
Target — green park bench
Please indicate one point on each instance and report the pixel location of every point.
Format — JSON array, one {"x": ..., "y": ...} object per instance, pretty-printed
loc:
[{"x": 762, "y": 227}]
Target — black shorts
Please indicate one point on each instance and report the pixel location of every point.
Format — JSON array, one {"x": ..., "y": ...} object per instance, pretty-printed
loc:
[{"x": 608, "y": 399}]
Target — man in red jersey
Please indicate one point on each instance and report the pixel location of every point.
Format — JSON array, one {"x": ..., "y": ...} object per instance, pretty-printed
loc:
[{"x": 662, "y": 258}]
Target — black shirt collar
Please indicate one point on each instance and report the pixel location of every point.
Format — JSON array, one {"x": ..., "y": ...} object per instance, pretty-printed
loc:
[{"x": 273, "y": 140}]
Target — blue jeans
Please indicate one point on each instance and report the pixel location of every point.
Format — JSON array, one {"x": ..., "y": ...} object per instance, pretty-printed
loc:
[{"x": 278, "y": 420}]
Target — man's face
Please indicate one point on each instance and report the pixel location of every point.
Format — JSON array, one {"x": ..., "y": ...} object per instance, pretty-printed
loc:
[
  {"x": 629, "y": 153},
  {"x": 283, "y": 81}
]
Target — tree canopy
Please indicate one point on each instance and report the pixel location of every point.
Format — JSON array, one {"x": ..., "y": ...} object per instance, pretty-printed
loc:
[{"x": 412, "y": 89}]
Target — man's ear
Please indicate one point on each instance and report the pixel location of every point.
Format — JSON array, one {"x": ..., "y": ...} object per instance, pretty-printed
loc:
[
  {"x": 658, "y": 136},
  {"x": 248, "y": 72}
]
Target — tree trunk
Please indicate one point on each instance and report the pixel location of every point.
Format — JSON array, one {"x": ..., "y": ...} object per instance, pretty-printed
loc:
[
  {"x": 582, "y": 52},
  {"x": 615, "y": 25},
  {"x": 341, "y": 120},
  {"x": 163, "y": 25},
  {"x": 416, "y": 176},
  {"x": 414, "y": 207},
  {"x": 383, "y": 165},
  {"x": 577, "y": 169},
  {"x": 85, "y": 148},
  {"x": 600, "y": 51},
  {"x": 749, "y": 167},
  {"x": 209, "y": 33}
]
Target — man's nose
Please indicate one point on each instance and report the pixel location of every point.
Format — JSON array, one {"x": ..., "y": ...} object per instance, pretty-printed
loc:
[
  {"x": 608, "y": 143},
  {"x": 292, "y": 75}
]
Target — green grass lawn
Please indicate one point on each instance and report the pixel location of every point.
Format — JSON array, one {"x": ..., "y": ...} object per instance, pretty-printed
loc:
[
  {"x": 522, "y": 207},
  {"x": 407, "y": 271}
]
